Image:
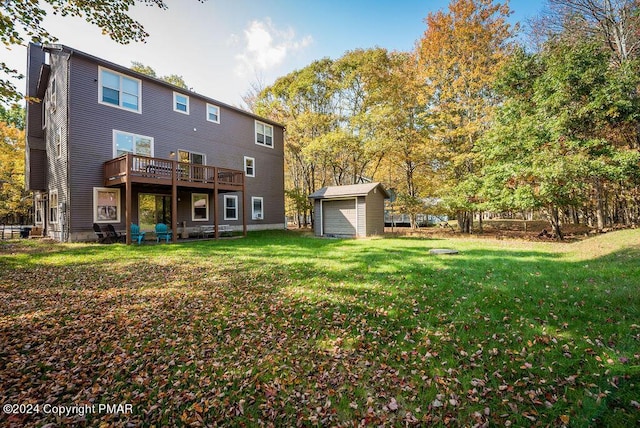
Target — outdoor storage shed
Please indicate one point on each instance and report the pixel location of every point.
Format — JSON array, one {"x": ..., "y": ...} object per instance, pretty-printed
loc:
[{"x": 354, "y": 210}]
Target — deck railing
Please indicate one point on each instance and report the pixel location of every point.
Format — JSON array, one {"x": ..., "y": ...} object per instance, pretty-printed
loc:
[{"x": 161, "y": 171}]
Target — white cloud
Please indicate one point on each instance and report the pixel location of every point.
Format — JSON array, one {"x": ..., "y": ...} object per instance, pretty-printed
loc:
[{"x": 266, "y": 47}]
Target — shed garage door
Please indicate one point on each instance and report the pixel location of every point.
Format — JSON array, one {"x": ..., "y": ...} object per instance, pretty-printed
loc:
[{"x": 339, "y": 217}]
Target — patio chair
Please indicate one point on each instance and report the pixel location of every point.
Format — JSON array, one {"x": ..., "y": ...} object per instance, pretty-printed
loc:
[
  {"x": 162, "y": 232},
  {"x": 136, "y": 234},
  {"x": 115, "y": 236},
  {"x": 102, "y": 237}
]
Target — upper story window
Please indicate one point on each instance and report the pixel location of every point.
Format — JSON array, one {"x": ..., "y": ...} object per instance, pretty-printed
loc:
[
  {"x": 213, "y": 113},
  {"x": 180, "y": 103},
  {"x": 125, "y": 142},
  {"x": 249, "y": 166},
  {"x": 264, "y": 134},
  {"x": 53, "y": 98},
  {"x": 120, "y": 91}
]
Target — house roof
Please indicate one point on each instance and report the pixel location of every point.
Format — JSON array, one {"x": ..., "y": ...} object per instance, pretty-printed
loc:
[
  {"x": 142, "y": 76},
  {"x": 330, "y": 192}
]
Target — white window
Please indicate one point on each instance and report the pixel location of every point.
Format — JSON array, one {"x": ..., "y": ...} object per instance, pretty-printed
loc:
[
  {"x": 53, "y": 206},
  {"x": 53, "y": 97},
  {"x": 58, "y": 142},
  {"x": 180, "y": 103},
  {"x": 257, "y": 212},
  {"x": 230, "y": 207},
  {"x": 264, "y": 134},
  {"x": 125, "y": 142},
  {"x": 120, "y": 91},
  {"x": 213, "y": 113},
  {"x": 106, "y": 205},
  {"x": 199, "y": 207},
  {"x": 249, "y": 166},
  {"x": 39, "y": 211}
]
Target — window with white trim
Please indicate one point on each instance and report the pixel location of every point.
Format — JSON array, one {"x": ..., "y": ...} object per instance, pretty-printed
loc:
[
  {"x": 257, "y": 203},
  {"x": 213, "y": 113},
  {"x": 249, "y": 166},
  {"x": 230, "y": 207},
  {"x": 53, "y": 97},
  {"x": 180, "y": 103},
  {"x": 58, "y": 141},
  {"x": 119, "y": 90},
  {"x": 39, "y": 214},
  {"x": 53, "y": 206},
  {"x": 199, "y": 207},
  {"x": 126, "y": 142},
  {"x": 264, "y": 134},
  {"x": 106, "y": 205}
]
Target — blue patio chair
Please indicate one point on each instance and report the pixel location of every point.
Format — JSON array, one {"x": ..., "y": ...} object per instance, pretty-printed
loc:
[
  {"x": 162, "y": 231},
  {"x": 136, "y": 234}
]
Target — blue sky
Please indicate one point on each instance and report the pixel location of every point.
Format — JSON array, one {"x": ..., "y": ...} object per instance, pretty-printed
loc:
[{"x": 221, "y": 47}]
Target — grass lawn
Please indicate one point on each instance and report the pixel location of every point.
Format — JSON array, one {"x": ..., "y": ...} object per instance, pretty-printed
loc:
[{"x": 283, "y": 329}]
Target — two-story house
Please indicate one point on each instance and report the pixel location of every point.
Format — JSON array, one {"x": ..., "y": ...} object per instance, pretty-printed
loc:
[{"x": 109, "y": 145}]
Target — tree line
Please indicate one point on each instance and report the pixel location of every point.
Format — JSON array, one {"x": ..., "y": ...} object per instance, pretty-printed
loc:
[{"x": 481, "y": 116}]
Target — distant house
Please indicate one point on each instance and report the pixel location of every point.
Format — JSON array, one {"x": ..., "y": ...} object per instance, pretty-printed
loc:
[
  {"x": 108, "y": 145},
  {"x": 352, "y": 211}
]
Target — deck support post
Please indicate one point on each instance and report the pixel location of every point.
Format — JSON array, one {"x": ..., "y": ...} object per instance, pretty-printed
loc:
[
  {"x": 127, "y": 199},
  {"x": 216, "y": 232},
  {"x": 174, "y": 201},
  {"x": 244, "y": 209}
]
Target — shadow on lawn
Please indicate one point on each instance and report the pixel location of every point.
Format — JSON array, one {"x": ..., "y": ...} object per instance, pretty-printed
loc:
[{"x": 277, "y": 326}]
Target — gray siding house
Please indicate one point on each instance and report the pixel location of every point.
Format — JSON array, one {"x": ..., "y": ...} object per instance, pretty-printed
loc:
[
  {"x": 352, "y": 211},
  {"x": 108, "y": 145}
]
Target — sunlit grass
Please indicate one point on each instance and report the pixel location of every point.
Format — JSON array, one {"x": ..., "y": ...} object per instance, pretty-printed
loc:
[{"x": 282, "y": 327}]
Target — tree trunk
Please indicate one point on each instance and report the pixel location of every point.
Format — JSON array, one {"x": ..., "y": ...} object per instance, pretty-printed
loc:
[
  {"x": 600, "y": 208},
  {"x": 554, "y": 219},
  {"x": 464, "y": 221}
]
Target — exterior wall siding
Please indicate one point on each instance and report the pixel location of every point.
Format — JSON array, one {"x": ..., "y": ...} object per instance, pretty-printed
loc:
[
  {"x": 375, "y": 214},
  {"x": 90, "y": 143},
  {"x": 362, "y": 217},
  {"x": 57, "y": 163}
]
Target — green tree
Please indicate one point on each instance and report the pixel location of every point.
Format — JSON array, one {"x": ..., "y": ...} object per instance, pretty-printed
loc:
[
  {"x": 21, "y": 22},
  {"x": 13, "y": 116},
  {"x": 174, "y": 79},
  {"x": 556, "y": 142}
]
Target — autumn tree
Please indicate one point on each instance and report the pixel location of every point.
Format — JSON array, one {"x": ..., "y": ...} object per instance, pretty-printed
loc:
[
  {"x": 459, "y": 55},
  {"x": 302, "y": 101},
  {"x": 14, "y": 201},
  {"x": 407, "y": 164},
  {"x": 348, "y": 120},
  {"x": 21, "y": 22}
]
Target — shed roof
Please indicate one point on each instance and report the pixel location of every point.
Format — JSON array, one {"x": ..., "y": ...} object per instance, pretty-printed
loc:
[{"x": 330, "y": 192}]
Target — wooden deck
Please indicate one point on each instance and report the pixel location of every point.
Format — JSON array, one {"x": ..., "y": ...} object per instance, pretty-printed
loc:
[
  {"x": 141, "y": 169},
  {"x": 128, "y": 170}
]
